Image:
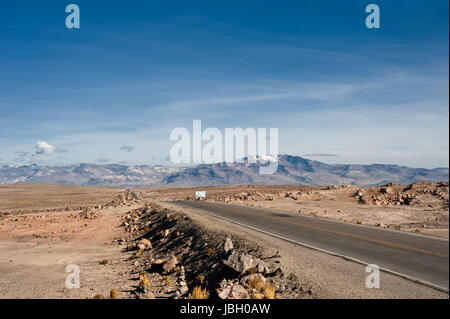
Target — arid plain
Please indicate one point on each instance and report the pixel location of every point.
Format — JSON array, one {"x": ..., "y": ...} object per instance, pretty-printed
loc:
[{"x": 142, "y": 244}]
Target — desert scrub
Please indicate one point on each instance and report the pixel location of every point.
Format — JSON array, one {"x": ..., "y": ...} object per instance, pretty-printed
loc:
[
  {"x": 176, "y": 269},
  {"x": 167, "y": 280},
  {"x": 131, "y": 246},
  {"x": 99, "y": 296},
  {"x": 104, "y": 262},
  {"x": 251, "y": 271},
  {"x": 141, "y": 246},
  {"x": 144, "y": 275},
  {"x": 199, "y": 293},
  {"x": 144, "y": 280},
  {"x": 114, "y": 294},
  {"x": 209, "y": 252},
  {"x": 200, "y": 279},
  {"x": 144, "y": 244}
]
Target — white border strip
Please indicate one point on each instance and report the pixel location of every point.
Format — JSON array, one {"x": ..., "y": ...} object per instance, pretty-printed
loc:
[{"x": 419, "y": 281}]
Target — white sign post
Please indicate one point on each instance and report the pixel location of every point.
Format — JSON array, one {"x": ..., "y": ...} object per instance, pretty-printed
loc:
[{"x": 200, "y": 195}]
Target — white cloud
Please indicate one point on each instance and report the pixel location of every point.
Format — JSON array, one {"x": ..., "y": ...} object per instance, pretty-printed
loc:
[{"x": 44, "y": 149}]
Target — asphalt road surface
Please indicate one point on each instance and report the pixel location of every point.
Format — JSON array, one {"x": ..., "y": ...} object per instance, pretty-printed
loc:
[{"x": 414, "y": 256}]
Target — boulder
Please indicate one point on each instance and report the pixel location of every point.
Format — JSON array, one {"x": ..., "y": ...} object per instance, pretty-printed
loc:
[{"x": 241, "y": 262}]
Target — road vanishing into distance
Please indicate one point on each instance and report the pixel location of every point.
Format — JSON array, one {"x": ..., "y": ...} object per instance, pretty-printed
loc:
[{"x": 413, "y": 256}]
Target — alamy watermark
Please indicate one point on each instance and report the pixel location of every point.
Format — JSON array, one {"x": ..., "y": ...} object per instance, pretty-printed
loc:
[
  {"x": 373, "y": 19},
  {"x": 73, "y": 19},
  {"x": 373, "y": 279},
  {"x": 73, "y": 279},
  {"x": 236, "y": 146}
]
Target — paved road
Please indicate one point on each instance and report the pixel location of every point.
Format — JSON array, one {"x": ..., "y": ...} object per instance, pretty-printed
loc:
[{"x": 420, "y": 257}]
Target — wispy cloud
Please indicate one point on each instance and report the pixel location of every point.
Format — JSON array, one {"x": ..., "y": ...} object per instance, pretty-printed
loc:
[{"x": 126, "y": 148}]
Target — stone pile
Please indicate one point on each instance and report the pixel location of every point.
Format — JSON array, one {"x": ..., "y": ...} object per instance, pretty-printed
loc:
[{"x": 127, "y": 198}]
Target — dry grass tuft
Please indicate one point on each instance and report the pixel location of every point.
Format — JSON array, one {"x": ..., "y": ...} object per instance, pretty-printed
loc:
[
  {"x": 263, "y": 288},
  {"x": 256, "y": 282},
  {"x": 269, "y": 291},
  {"x": 99, "y": 296},
  {"x": 199, "y": 293}
]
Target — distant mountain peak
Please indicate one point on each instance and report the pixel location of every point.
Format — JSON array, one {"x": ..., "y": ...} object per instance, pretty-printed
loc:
[{"x": 292, "y": 170}]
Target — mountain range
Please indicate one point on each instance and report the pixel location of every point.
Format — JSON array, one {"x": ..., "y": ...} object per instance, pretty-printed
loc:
[{"x": 292, "y": 170}]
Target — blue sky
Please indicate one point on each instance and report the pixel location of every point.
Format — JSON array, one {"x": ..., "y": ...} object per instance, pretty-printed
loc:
[{"x": 113, "y": 90}]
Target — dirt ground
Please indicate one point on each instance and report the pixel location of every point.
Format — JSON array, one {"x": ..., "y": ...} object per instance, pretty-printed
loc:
[
  {"x": 45, "y": 228},
  {"x": 30, "y": 197},
  {"x": 38, "y": 240}
]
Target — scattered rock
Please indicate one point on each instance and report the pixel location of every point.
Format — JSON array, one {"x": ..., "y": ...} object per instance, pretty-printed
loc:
[
  {"x": 228, "y": 244},
  {"x": 223, "y": 293},
  {"x": 184, "y": 290},
  {"x": 146, "y": 242},
  {"x": 147, "y": 295},
  {"x": 260, "y": 267},
  {"x": 170, "y": 264},
  {"x": 238, "y": 292}
]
